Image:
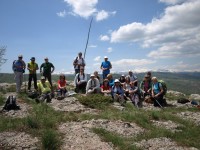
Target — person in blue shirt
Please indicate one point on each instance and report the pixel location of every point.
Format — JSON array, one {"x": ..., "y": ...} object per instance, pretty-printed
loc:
[
  {"x": 157, "y": 92},
  {"x": 19, "y": 68},
  {"x": 105, "y": 67}
]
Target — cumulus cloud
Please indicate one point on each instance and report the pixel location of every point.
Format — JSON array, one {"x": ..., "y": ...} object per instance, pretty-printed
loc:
[
  {"x": 173, "y": 2},
  {"x": 97, "y": 58},
  {"x": 127, "y": 64},
  {"x": 87, "y": 8},
  {"x": 104, "y": 38},
  {"x": 174, "y": 34},
  {"x": 61, "y": 14},
  {"x": 110, "y": 50},
  {"x": 83, "y": 8},
  {"x": 101, "y": 15}
]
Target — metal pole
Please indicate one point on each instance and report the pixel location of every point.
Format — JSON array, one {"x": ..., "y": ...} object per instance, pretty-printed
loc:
[{"x": 88, "y": 37}]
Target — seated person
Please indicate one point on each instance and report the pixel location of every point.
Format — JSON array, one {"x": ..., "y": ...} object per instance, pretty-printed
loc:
[
  {"x": 145, "y": 86},
  {"x": 126, "y": 86},
  {"x": 134, "y": 93},
  {"x": 122, "y": 79},
  {"x": 157, "y": 92},
  {"x": 80, "y": 81},
  {"x": 110, "y": 79},
  {"x": 62, "y": 88},
  {"x": 96, "y": 74},
  {"x": 117, "y": 92},
  {"x": 105, "y": 88},
  {"x": 45, "y": 90},
  {"x": 93, "y": 85}
]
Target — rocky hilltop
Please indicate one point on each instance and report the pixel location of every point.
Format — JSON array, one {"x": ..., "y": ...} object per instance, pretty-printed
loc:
[{"x": 115, "y": 127}]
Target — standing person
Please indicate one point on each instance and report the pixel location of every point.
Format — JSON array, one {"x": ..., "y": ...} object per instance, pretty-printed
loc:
[
  {"x": 105, "y": 67},
  {"x": 80, "y": 81},
  {"x": 32, "y": 67},
  {"x": 78, "y": 63},
  {"x": 145, "y": 86},
  {"x": 93, "y": 85},
  {"x": 19, "y": 68},
  {"x": 46, "y": 72}
]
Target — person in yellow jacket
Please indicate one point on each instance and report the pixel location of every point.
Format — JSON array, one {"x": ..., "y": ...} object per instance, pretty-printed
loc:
[
  {"x": 45, "y": 90},
  {"x": 32, "y": 67}
]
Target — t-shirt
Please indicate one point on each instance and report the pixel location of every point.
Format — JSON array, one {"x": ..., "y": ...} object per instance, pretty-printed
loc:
[
  {"x": 62, "y": 83},
  {"x": 156, "y": 88},
  {"x": 33, "y": 66},
  {"x": 19, "y": 65},
  {"x": 106, "y": 64},
  {"x": 105, "y": 88},
  {"x": 47, "y": 67},
  {"x": 44, "y": 88}
]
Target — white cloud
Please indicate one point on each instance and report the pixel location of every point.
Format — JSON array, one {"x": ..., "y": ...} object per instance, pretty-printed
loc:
[
  {"x": 93, "y": 46},
  {"x": 83, "y": 8},
  {"x": 173, "y": 2},
  {"x": 130, "y": 64},
  {"x": 101, "y": 15},
  {"x": 61, "y": 14},
  {"x": 104, "y": 38},
  {"x": 110, "y": 50},
  {"x": 97, "y": 58},
  {"x": 174, "y": 34}
]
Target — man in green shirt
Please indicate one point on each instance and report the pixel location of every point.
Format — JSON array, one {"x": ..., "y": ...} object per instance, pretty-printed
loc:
[{"x": 46, "y": 69}]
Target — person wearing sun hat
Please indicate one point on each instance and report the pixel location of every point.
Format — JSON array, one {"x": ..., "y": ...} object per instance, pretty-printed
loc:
[
  {"x": 32, "y": 67},
  {"x": 105, "y": 67},
  {"x": 19, "y": 67},
  {"x": 46, "y": 69},
  {"x": 117, "y": 92},
  {"x": 93, "y": 85}
]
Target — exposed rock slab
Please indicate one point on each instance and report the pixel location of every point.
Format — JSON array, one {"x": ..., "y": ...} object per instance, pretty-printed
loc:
[
  {"x": 71, "y": 104},
  {"x": 18, "y": 141},
  {"x": 161, "y": 144},
  {"x": 172, "y": 126},
  {"x": 193, "y": 116}
]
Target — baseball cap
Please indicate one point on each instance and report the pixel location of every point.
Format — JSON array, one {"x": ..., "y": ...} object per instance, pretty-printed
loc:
[
  {"x": 42, "y": 78},
  {"x": 105, "y": 56},
  {"x": 20, "y": 56},
  {"x": 92, "y": 75},
  {"x": 32, "y": 58},
  {"x": 116, "y": 80},
  {"x": 45, "y": 58}
]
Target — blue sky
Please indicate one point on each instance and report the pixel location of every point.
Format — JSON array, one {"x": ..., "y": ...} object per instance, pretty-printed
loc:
[{"x": 138, "y": 35}]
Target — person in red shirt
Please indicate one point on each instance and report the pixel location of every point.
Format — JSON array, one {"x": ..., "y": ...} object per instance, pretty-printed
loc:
[
  {"x": 62, "y": 85},
  {"x": 105, "y": 88}
]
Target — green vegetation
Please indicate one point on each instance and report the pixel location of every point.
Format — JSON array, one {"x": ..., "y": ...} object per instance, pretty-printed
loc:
[{"x": 44, "y": 120}]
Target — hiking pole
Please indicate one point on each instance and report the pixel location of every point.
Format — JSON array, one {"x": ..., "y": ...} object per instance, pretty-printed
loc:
[
  {"x": 88, "y": 37},
  {"x": 158, "y": 102}
]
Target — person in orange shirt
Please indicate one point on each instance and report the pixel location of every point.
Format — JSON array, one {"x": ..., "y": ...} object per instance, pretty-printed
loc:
[{"x": 62, "y": 85}]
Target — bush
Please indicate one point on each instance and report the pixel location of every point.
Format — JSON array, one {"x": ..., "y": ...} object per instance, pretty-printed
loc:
[
  {"x": 95, "y": 100},
  {"x": 50, "y": 140}
]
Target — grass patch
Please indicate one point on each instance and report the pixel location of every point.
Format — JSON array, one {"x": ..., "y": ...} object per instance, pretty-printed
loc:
[
  {"x": 97, "y": 101},
  {"x": 50, "y": 140},
  {"x": 117, "y": 141}
]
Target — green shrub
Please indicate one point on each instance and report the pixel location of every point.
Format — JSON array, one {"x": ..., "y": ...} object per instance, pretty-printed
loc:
[
  {"x": 32, "y": 122},
  {"x": 50, "y": 140},
  {"x": 1, "y": 100},
  {"x": 95, "y": 101}
]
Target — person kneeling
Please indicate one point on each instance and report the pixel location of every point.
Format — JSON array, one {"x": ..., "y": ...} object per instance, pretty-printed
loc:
[
  {"x": 45, "y": 90},
  {"x": 118, "y": 92},
  {"x": 133, "y": 93},
  {"x": 93, "y": 85}
]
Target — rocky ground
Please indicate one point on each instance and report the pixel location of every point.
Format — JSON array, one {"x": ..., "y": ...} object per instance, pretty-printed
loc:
[{"x": 79, "y": 135}]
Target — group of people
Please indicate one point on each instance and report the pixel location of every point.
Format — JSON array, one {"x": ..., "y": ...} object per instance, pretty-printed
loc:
[{"x": 126, "y": 87}]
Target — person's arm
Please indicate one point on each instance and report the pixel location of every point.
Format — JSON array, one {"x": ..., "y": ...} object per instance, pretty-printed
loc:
[
  {"x": 110, "y": 65},
  {"x": 75, "y": 79},
  {"x": 41, "y": 68},
  {"x": 161, "y": 90},
  {"x": 52, "y": 67},
  {"x": 88, "y": 86}
]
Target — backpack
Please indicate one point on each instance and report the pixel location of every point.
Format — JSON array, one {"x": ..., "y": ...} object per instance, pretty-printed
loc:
[
  {"x": 11, "y": 103},
  {"x": 13, "y": 65},
  {"x": 32, "y": 94},
  {"x": 164, "y": 86}
]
